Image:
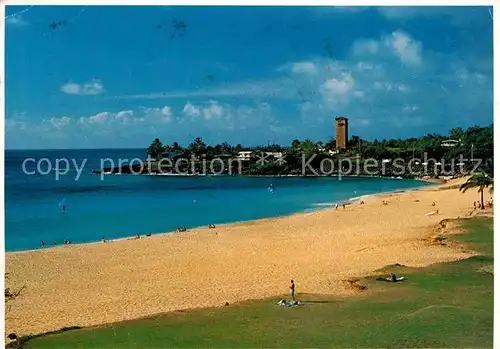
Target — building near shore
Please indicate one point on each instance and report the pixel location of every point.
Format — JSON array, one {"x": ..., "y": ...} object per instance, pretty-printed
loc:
[{"x": 341, "y": 132}]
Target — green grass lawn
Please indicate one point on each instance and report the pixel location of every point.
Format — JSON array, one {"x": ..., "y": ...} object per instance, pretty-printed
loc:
[{"x": 444, "y": 305}]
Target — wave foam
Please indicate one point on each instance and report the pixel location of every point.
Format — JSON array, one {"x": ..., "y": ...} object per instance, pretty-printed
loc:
[{"x": 328, "y": 204}]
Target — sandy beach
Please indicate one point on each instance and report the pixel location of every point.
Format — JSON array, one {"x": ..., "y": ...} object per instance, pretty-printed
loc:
[{"x": 92, "y": 284}]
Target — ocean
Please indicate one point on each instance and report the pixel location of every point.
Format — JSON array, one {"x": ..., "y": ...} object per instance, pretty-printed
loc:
[{"x": 117, "y": 206}]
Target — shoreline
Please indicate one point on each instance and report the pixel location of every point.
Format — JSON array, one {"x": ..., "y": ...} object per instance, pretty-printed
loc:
[
  {"x": 338, "y": 175},
  {"x": 316, "y": 207},
  {"x": 92, "y": 284}
]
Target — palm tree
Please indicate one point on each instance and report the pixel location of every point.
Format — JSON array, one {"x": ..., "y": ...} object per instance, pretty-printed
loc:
[
  {"x": 155, "y": 149},
  {"x": 197, "y": 147},
  {"x": 295, "y": 144},
  {"x": 309, "y": 148},
  {"x": 481, "y": 180},
  {"x": 227, "y": 148}
]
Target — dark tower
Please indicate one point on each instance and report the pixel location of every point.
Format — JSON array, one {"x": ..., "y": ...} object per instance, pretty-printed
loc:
[{"x": 341, "y": 135}]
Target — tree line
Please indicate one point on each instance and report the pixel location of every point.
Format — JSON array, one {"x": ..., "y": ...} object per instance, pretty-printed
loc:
[{"x": 474, "y": 142}]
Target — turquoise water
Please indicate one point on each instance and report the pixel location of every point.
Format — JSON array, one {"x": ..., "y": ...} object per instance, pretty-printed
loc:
[{"x": 123, "y": 205}]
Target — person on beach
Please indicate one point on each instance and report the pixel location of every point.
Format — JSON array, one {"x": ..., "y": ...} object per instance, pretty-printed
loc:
[
  {"x": 42, "y": 245},
  {"x": 336, "y": 206},
  {"x": 391, "y": 277},
  {"x": 292, "y": 290},
  {"x": 475, "y": 205},
  {"x": 103, "y": 239},
  {"x": 343, "y": 206}
]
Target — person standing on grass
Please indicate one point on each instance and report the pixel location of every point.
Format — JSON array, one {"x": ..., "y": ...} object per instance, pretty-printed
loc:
[{"x": 292, "y": 290}]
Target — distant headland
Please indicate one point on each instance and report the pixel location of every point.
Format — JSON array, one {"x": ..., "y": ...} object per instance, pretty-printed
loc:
[{"x": 431, "y": 155}]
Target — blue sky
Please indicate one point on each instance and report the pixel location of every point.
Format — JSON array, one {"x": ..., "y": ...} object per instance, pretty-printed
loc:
[{"x": 118, "y": 77}]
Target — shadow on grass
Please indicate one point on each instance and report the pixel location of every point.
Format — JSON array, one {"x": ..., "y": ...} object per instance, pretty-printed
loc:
[{"x": 317, "y": 302}]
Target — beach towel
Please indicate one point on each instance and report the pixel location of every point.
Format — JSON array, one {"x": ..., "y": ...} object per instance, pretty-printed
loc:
[{"x": 401, "y": 278}]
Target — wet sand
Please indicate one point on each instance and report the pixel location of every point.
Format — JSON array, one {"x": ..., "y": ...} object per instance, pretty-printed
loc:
[{"x": 91, "y": 284}]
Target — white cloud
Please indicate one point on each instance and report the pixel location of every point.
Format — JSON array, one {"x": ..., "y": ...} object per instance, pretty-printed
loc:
[
  {"x": 398, "y": 43},
  {"x": 213, "y": 110},
  {"x": 337, "y": 90},
  {"x": 264, "y": 88},
  {"x": 156, "y": 115},
  {"x": 364, "y": 66},
  {"x": 71, "y": 88},
  {"x": 465, "y": 76},
  {"x": 304, "y": 79},
  {"x": 166, "y": 111},
  {"x": 16, "y": 21},
  {"x": 234, "y": 123},
  {"x": 380, "y": 85},
  {"x": 15, "y": 124},
  {"x": 124, "y": 114},
  {"x": 210, "y": 115},
  {"x": 100, "y": 118},
  {"x": 93, "y": 87},
  {"x": 60, "y": 122},
  {"x": 408, "y": 49},
  {"x": 191, "y": 110},
  {"x": 304, "y": 67},
  {"x": 365, "y": 46}
]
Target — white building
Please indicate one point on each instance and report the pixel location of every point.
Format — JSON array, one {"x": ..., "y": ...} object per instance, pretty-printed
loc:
[
  {"x": 247, "y": 154},
  {"x": 329, "y": 151}
]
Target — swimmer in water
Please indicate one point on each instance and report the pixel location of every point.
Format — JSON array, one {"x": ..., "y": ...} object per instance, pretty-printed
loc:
[{"x": 63, "y": 209}]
